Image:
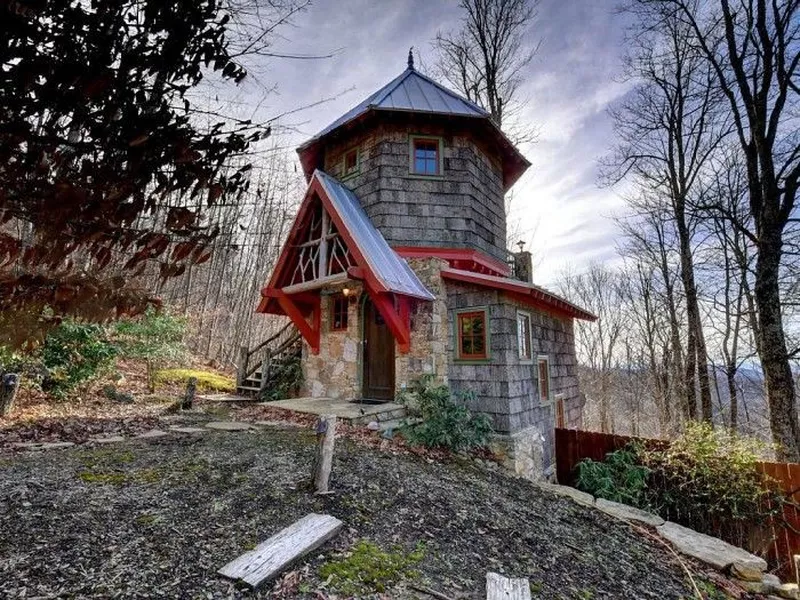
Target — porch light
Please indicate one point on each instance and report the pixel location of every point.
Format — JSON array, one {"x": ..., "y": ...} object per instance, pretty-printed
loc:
[{"x": 346, "y": 292}]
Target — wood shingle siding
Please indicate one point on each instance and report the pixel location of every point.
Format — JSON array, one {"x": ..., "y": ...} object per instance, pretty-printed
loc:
[{"x": 462, "y": 207}]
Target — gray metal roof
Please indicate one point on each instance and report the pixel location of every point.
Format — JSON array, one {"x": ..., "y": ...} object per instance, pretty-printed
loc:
[
  {"x": 411, "y": 91},
  {"x": 385, "y": 264}
]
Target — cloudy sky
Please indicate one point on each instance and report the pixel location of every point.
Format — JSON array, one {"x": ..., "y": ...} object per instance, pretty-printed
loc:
[{"x": 557, "y": 207}]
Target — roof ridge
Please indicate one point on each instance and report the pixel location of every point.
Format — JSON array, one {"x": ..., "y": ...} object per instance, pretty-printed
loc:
[
  {"x": 391, "y": 86},
  {"x": 450, "y": 92}
]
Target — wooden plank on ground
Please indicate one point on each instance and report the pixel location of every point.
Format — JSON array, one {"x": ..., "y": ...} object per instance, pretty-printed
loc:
[
  {"x": 269, "y": 558},
  {"x": 505, "y": 588}
]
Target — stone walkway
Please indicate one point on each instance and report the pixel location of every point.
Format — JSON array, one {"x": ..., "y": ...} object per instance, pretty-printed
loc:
[
  {"x": 748, "y": 569},
  {"x": 358, "y": 414}
]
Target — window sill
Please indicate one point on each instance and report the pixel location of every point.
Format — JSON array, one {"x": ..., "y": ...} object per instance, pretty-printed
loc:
[
  {"x": 349, "y": 176},
  {"x": 472, "y": 361},
  {"x": 438, "y": 177}
]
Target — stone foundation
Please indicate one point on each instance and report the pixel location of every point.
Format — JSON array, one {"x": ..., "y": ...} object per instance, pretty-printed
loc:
[
  {"x": 429, "y": 329},
  {"x": 336, "y": 371},
  {"x": 524, "y": 453}
]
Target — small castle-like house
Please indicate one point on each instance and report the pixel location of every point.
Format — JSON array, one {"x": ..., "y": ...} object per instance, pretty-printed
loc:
[{"x": 396, "y": 266}]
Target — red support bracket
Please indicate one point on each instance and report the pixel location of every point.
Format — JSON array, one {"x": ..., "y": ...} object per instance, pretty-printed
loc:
[
  {"x": 396, "y": 313},
  {"x": 309, "y": 331}
]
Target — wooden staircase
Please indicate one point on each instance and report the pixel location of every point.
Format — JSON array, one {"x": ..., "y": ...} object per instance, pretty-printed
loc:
[{"x": 263, "y": 367}]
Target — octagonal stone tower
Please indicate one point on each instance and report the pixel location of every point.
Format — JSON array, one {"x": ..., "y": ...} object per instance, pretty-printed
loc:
[{"x": 430, "y": 168}]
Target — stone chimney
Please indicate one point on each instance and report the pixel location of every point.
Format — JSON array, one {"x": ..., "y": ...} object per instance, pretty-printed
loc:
[{"x": 523, "y": 266}]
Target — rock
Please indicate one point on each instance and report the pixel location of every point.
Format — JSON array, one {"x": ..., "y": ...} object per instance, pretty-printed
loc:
[
  {"x": 568, "y": 492},
  {"x": 229, "y": 426},
  {"x": 710, "y": 550},
  {"x": 771, "y": 580},
  {"x": 628, "y": 513},
  {"x": 745, "y": 572},
  {"x": 789, "y": 591},
  {"x": 755, "y": 587},
  {"x": 42, "y": 445},
  {"x": 177, "y": 429},
  {"x": 55, "y": 445},
  {"x": 152, "y": 434},
  {"x": 374, "y": 426},
  {"x": 107, "y": 440}
]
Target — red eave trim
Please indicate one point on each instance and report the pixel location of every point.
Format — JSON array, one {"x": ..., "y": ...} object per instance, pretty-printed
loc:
[
  {"x": 531, "y": 295},
  {"x": 452, "y": 255}
]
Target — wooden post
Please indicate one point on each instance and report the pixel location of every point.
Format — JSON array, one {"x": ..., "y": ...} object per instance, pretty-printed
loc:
[
  {"x": 191, "y": 390},
  {"x": 9, "y": 384},
  {"x": 265, "y": 361},
  {"x": 326, "y": 433},
  {"x": 241, "y": 372}
]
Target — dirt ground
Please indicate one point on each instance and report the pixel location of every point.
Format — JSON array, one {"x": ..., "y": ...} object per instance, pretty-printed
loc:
[{"x": 157, "y": 518}]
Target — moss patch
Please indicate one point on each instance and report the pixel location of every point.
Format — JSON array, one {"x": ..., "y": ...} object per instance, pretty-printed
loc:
[
  {"x": 206, "y": 380},
  {"x": 368, "y": 569},
  {"x": 114, "y": 477}
]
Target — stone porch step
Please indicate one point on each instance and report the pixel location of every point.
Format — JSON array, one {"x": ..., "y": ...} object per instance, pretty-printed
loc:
[
  {"x": 353, "y": 412},
  {"x": 395, "y": 424}
]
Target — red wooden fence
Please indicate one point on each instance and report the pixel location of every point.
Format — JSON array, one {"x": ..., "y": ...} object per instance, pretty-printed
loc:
[{"x": 777, "y": 540}]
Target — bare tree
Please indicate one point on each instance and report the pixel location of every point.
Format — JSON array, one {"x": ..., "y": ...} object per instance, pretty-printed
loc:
[
  {"x": 753, "y": 47},
  {"x": 669, "y": 129},
  {"x": 485, "y": 58}
]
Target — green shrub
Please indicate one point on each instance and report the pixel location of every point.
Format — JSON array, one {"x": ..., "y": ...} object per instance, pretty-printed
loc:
[
  {"x": 445, "y": 423},
  {"x": 155, "y": 336},
  {"x": 707, "y": 477},
  {"x": 620, "y": 477},
  {"x": 206, "y": 380},
  {"x": 74, "y": 353},
  {"x": 286, "y": 377},
  {"x": 368, "y": 569}
]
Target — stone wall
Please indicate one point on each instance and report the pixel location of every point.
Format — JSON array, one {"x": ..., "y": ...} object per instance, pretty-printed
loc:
[
  {"x": 335, "y": 372},
  {"x": 506, "y": 387},
  {"x": 463, "y": 207},
  {"x": 429, "y": 330}
]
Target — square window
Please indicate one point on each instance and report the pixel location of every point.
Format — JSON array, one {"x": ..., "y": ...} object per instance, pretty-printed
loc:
[
  {"x": 524, "y": 336},
  {"x": 351, "y": 162},
  {"x": 425, "y": 156},
  {"x": 338, "y": 313},
  {"x": 544, "y": 379},
  {"x": 471, "y": 329}
]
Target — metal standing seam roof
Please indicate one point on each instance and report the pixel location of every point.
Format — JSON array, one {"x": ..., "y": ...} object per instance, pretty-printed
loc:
[
  {"x": 410, "y": 91},
  {"x": 385, "y": 264}
]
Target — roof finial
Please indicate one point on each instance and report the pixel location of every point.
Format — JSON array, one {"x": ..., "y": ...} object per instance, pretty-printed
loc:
[{"x": 411, "y": 58}]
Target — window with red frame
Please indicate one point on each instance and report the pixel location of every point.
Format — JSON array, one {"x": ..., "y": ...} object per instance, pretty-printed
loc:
[
  {"x": 472, "y": 335},
  {"x": 351, "y": 162},
  {"x": 426, "y": 157},
  {"x": 338, "y": 313},
  {"x": 544, "y": 379}
]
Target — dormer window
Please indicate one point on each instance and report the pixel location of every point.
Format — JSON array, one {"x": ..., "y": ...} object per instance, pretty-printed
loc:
[
  {"x": 351, "y": 165},
  {"x": 426, "y": 156}
]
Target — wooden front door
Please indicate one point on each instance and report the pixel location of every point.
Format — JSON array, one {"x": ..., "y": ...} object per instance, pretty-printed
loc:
[{"x": 378, "y": 381}]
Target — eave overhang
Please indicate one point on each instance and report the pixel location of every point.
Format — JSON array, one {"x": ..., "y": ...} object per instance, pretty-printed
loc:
[{"x": 528, "y": 293}]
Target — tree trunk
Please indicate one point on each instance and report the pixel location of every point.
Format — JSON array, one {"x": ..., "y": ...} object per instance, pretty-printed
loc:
[
  {"x": 697, "y": 356},
  {"x": 326, "y": 436},
  {"x": 778, "y": 380},
  {"x": 730, "y": 373},
  {"x": 9, "y": 385}
]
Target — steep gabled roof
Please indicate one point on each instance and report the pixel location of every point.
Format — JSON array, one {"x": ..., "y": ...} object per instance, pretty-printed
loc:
[
  {"x": 411, "y": 91},
  {"x": 384, "y": 263},
  {"x": 384, "y": 270}
]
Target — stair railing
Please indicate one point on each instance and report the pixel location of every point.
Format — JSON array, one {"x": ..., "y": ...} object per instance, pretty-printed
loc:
[{"x": 247, "y": 366}]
